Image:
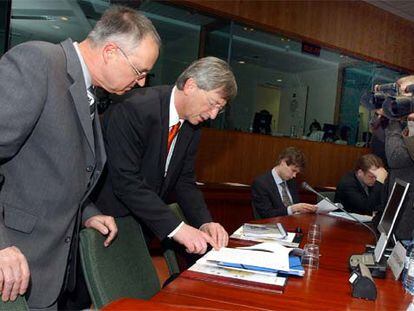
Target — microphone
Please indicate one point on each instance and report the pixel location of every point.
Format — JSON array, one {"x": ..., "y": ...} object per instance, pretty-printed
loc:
[{"x": 307, "y": 187}]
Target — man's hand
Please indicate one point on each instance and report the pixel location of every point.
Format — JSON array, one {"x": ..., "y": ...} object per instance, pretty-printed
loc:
[
  {"x": 105, "y": 225},
  {"x": 380, "y": 173},
  {"x": 303, "y": 208},
  {"x": 14, "y": 273},
  {"x": 194, "y": 240},
  {"x": 217, "y": 232}
]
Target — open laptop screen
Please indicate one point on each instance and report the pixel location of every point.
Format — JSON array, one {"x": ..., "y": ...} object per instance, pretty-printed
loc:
[{"x": 393, "y": 206}]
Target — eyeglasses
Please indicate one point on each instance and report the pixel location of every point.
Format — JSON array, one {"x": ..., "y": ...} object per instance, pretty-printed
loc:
[
  {"x": 138, "y": 73},
  {"x": 213, "y": 105}
]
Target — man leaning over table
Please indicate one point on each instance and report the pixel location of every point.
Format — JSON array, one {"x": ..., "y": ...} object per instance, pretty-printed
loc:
[{"x": 151, "y": 138}]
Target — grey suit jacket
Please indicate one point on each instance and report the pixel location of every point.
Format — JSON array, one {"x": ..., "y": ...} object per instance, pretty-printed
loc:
[
  {"x": 401, "y": 165},
  {"x": 51, "y": 155}
]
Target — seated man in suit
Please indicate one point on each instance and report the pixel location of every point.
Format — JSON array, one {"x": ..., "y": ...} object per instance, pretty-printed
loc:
[
  {"x": 361, "y": 190},
  {"x": 274, "y": 193},
  {"x": 148, "y": 161}
]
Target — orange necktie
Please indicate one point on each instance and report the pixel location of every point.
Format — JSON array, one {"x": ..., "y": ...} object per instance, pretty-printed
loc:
[{"x": 173, "y": 132}]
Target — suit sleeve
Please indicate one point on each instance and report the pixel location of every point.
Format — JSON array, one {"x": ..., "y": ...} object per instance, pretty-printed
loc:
[
  {"x": 89, "y": 210},
  {"x": 354, "y": 200},
  {"x": 189, "y": 197},
  {"x": 262, "y": 202},
  {"x": 23, "y": 89},
  {"x": 125, "y": 143}
]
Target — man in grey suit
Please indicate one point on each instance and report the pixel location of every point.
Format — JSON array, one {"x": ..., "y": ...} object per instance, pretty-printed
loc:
[
  {"x": 399, "y": 149},
  {"x": 51, "y": 148}
]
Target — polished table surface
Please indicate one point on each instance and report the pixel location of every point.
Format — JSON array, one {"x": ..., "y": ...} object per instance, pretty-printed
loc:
[{"x": 324, "y": 289}]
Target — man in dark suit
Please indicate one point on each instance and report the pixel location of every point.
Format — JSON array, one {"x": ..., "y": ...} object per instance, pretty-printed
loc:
[
  {"x": 51, "y": 148},
  {"x": 361, "y": 191},
  {"x": 147, "y": 164},
  {"x": 274, "y": 193}
]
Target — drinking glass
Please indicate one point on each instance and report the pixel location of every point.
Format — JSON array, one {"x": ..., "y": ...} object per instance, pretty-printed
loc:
[{"x": 310, "y": 257}]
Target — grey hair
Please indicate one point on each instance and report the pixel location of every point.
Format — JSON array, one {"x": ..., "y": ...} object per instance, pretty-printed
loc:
[
  {"x": 210, "y": 73},
  {"x": 124, "y": 26}
]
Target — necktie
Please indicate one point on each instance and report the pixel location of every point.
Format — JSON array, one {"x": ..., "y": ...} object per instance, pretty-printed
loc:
[
  {"x": 173, "y": 132},
  {"x": 93, "y": 100},
  {"x": 285, "y": 196}
]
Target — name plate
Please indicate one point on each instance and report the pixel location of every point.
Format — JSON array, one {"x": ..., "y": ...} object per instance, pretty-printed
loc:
[{"x": 396, "y": 260}]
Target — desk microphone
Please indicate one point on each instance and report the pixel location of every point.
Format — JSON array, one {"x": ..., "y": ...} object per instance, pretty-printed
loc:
[{"x": 306, "y": 186}]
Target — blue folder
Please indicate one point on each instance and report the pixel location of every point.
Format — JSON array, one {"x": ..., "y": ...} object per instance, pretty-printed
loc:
[{"x": 295, "y": 267}]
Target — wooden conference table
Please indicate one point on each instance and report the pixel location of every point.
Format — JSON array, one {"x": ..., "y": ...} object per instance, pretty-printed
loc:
[{"x": 324, "y": 289}]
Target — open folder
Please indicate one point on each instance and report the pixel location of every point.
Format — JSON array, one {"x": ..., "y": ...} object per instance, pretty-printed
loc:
[
  {"x": 260, "y": 267},
  {"x": 295, "y": 267},
  {"x": 268, "y": 257}
]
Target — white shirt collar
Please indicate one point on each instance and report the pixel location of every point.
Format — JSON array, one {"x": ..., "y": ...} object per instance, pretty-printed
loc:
[
  {"x": 276, "y": 177},
  {"x": 174, "y": 118},
  {"x": 85, "y": 71}
]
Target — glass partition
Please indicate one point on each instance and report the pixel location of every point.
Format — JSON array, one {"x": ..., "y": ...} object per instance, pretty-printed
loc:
[
  {"x": 286, "y": 86},
  {"x": 5, "y": 7}
]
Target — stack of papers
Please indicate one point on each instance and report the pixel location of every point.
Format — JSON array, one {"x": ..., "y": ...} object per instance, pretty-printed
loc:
[
  {"x": 268, "y": 258},
  {"x": 267, "y": 231},
  {"x": 264, "y": 233},
  {"x": 362, "y": 218},
  {"x": 325, "y": 206}
]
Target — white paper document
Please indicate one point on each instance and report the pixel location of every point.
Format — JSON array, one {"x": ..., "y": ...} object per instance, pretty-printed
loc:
[
  {"x": 363, "y": 218},
  {"x": 274, "y": 247},
  {"x": 287, "y": 241},
  {"x": 272, "y": 279},
  {"x": 325, "y": 206},
  {"x": 276, "y": 260}
]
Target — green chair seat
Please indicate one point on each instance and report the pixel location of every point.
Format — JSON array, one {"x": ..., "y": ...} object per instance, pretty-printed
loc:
[
  {"x": 124, "y": 269},
  {"x": 18, "y": 305}
]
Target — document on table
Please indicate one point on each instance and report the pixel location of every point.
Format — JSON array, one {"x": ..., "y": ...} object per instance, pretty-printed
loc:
[
  {"x": 287, "y": 241},
  {"x": 251, "y": 276},
  {"x": 325, "y": 206},
  {"x": 264, "y": 258},
  {"x": 363, "y": 218}
]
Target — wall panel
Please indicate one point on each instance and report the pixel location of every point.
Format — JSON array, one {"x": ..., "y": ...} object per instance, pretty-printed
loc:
[{"x": 230, "y": 156}]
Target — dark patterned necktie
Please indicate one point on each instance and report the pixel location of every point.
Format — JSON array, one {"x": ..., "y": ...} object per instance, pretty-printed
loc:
[
  {"x": 93, "y": 100},
  {"x": 285, "y": 196}
]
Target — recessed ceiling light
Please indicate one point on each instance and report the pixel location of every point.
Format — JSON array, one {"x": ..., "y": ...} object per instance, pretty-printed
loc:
[
  {"x": 55, "y": 26},
  {"x": 64, "y": 18},
  {"x": 279, "y": 80},
  {"x": 241, "y": 62}
]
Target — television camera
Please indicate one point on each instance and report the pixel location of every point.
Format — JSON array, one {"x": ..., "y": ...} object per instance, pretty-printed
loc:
[{"x": 390, "y": 98}]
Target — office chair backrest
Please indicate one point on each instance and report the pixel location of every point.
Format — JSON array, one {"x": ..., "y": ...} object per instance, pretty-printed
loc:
[
  {"x": 255, "y": 213},
  {"x": 169, "y": 245},
  {"x": 124, "y": 269},
  {"x": 18, "y": 305}
]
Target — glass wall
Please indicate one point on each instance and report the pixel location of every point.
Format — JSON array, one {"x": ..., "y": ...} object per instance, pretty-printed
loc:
[
  {"x": 5, "y": 7},
  {"x": 285, "y": 85}
]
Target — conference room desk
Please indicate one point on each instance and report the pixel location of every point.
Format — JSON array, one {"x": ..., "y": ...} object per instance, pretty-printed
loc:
[{"x": 324, "y": 289}]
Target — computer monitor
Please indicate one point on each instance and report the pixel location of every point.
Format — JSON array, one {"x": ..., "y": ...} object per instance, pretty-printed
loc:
[{"x": 390, "y": 216}]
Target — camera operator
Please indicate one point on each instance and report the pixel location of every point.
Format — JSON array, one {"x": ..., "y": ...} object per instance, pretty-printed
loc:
[{"x": 399, "y": 149}]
